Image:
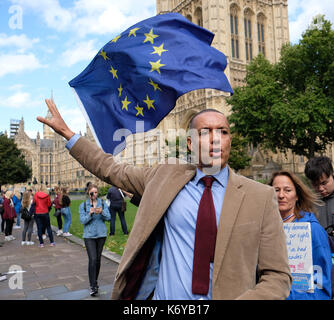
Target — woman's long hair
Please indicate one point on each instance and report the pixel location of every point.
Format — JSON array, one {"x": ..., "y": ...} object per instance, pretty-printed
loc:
[
  {"x": 307, "y": 199},
  {"x": 9, "y": 194},
  {"x": 17, "y": 194},
  {"x": 64, "y": 192},
  {"x": 26, "y": 199},
  {"x": 43, "y": 188}
]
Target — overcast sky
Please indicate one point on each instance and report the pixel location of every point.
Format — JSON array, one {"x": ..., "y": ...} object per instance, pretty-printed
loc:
[{"x": 46, "y": 43}]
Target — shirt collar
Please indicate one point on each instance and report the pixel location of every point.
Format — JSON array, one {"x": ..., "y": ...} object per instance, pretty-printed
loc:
[{"x": 221, "y": 176}]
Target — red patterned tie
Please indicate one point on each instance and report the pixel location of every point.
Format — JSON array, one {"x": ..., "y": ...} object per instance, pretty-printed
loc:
[{"x": 205, "y": 240}]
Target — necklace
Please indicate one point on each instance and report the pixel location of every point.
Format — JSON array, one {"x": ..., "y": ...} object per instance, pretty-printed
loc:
[{"x": 287, "y": 218}]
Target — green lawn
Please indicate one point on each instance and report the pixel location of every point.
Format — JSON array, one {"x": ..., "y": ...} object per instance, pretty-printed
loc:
[{"x": 114, "y": 243}]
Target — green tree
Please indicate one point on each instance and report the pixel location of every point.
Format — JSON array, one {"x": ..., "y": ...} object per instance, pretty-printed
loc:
[
  {"x": 13, "y": 168},
  {"x": 239, "y": 158},
  {"x": 251, "y": 104},
  {"x": 290, "y": 104}
]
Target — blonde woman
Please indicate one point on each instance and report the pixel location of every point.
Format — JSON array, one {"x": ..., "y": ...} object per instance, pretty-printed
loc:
[
  {"x": 9, "y": 215},
  {"x": 28, "y": 210}
]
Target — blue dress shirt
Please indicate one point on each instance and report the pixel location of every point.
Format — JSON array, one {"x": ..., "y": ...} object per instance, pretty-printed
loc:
[
  {"x": 70, "y": 143},
  {"x": 175, "y": 273}
]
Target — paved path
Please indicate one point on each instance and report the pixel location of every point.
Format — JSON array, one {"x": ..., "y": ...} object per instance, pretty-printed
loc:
[{"x": 53, "y": 273}]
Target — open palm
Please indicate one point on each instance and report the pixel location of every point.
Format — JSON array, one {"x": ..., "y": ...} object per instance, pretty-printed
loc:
[{"x": 57, "y": 123}]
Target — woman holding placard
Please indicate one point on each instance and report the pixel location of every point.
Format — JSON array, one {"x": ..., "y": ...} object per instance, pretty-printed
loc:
[{"x": 296, "y": 204}]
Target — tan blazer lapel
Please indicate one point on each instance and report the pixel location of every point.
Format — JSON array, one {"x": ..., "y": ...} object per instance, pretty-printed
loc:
[
  {"x": 162, "y": 194},
  {"x": 167, "y": 193},
  {"x": 232, "y": 202}
]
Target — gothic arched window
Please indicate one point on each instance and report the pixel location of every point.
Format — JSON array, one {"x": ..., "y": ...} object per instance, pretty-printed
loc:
[
  {"x": 234, "y": 32},
  {"x": 260, "y": 33},
  {"x": 198, "y": 18},
  {"x": 248, "y": 35},
  {"x": 188, "y": 16}
]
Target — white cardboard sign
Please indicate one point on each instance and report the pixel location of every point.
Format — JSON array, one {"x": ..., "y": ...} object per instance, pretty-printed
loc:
[{"x": 299, "y": 244}]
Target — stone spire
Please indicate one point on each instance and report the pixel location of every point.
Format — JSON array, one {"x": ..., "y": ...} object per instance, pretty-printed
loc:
[
  {"x": 21, "y": 125},
  {"x": 47, "y": 131}
]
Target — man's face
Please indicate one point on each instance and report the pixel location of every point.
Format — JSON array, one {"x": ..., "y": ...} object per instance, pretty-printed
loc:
[
  {"x": 325, "y": 185},
  {"x": 211, "y": 140}
]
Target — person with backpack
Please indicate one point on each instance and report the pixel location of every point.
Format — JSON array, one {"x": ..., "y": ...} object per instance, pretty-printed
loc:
[
  {"x": 117, "y": 203},
  {"x": 27, "y": 214},
  {"x": 93, "y": 214},
  {"x": 65, "y": 203},
  {"x": 43, "y": 205}
]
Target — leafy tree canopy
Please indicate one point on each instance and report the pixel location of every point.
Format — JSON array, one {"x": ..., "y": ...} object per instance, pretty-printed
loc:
[
  {"x": 13, "y": 168},
  {"x": 290, "y": 104}
]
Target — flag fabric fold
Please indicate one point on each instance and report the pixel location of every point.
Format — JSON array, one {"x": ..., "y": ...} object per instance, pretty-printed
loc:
[{"x": 139, "y": 75}]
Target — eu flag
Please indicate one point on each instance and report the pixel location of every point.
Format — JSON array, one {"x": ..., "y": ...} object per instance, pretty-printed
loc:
[{"x": 140, "y": 74}]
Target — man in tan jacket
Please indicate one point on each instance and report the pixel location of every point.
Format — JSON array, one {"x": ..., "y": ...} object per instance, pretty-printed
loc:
[{"x": 250, "y": 256}]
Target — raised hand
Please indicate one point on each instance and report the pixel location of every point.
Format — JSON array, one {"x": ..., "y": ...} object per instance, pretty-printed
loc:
[{"x": 57, "y": 123}]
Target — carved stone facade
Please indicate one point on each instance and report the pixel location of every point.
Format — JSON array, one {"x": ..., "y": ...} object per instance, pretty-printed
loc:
[
  {"x": 243, "y": 29},
  {"x": 51, "y": 162}
]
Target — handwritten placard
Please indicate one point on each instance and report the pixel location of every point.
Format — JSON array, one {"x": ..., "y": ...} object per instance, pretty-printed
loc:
[{"x": 299, "y": 244}]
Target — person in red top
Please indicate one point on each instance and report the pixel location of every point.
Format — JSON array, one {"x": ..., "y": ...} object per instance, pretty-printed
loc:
[
  {"x": 8, "y": 215},
  {"x": 43, "y": 204}
]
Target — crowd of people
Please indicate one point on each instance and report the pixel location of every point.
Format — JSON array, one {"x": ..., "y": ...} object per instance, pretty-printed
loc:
[
  {"x": 24, "y": 209},
  {"x": 33, "y": 207}
]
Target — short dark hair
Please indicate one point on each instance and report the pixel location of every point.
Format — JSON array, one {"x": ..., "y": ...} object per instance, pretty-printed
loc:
[
  {"x": 317, "y": 166},
  {"x": 191, "y": 123}
]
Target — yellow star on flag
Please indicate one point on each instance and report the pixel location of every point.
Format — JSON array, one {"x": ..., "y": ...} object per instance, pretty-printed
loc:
[
  {"x": 159, "y": 50},
  {"x": 156, "y": 66},
  {"x": 149, "y": 103},
  {"x": 125, "y": 103},
  {"x": 139, "y": 110},
  {"x": 120, "y": 89},
  {"x": 104, "y": 55},
  {"x": 150, "y": 36},
  {"x": 115, "y": 39},
  {"x": 114, "y": 73},
  {"x": 133, "y": 32},
  {"x": 154, "y": 85}
]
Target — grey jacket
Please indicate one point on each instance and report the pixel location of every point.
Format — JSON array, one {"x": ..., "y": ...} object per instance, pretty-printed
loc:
[{"x": 326, "y": 212}]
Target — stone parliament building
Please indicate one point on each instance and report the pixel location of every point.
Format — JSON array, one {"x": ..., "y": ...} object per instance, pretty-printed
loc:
[
  {"x": 243, "y": 29},
  {"x": 51, "y": 162}
]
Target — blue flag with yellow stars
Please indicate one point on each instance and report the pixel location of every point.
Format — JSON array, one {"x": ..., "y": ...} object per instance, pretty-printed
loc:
[{"x": 139, "y": 75}]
